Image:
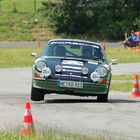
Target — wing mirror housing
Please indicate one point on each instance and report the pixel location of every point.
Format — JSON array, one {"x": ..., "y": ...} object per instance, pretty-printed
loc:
[
  {"x": 113, "y": 62},
  {"x": 34, "y": 55}
]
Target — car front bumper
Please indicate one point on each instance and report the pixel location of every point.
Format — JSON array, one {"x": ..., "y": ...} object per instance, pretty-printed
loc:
[{"x": 89, "y": 88}]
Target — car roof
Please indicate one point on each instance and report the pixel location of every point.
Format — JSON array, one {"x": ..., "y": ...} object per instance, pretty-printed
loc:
[{"x": 77, "y": 40}]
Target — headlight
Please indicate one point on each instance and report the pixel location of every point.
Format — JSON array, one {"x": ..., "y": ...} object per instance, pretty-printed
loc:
[
  {"x": 95, "y": 76},
  {"x": 84, "y": 70},
  {"x": 40, "y": 65},
  {"x": 58, "y": 68},
  {"x": 46, "y": 72},
  {"x": 102, "y": 71}
]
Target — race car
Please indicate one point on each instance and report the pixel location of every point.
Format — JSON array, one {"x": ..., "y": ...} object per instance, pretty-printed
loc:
[{"x": 73, "y": 67}]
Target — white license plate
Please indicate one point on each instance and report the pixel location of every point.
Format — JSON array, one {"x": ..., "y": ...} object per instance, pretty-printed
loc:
[{"x": 71, "y": 84}]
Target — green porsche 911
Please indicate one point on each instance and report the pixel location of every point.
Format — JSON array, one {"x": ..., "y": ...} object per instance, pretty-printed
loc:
[{"x": 73, "y": 67}]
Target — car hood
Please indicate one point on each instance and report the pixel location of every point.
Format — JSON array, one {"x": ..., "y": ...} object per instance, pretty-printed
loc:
[{"x": 71, "y": 68}]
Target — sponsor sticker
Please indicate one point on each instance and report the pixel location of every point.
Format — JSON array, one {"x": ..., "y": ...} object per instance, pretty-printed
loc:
[
  {"x": 92, "y": 62},
  {"x": 69, "y": 62}
]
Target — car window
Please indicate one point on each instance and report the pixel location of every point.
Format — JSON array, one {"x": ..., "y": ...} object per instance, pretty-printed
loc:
[{"x": 75, "y": 50}]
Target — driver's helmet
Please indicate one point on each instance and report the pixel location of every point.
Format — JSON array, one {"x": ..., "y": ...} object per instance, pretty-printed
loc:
[
  {"x": 87, "y": 53},
  {"x": 60, "y": 51}
]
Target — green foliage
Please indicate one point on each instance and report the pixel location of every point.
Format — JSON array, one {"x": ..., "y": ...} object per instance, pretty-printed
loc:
[
  {"x": 105, "y": 19},
  {"x": 120, "y": 16},
  {"x": 137, "y": 22},
  {"x": 69, "y": 16}
]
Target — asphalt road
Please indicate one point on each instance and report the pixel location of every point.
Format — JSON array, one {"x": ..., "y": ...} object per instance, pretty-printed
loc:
[{"x": 119, "y": 117}]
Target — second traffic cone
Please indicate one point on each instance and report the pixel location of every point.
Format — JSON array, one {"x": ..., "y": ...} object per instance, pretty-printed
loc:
[
  {"x": 104, "y": 44},
  {"x": 135, "y": 90},
  {"x": 28, "y": 127}
]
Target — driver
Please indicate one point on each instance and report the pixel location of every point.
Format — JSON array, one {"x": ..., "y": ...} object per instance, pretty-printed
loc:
[
  {"x": 60, "y": 51},
  {"x": 87, "y": 53}
]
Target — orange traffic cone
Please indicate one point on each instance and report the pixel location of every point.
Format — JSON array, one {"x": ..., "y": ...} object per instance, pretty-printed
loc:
[
  {"x": 28, "y": 128},
  {"x": 104, "y": 44},
  {"x": 135, "y": 90}
]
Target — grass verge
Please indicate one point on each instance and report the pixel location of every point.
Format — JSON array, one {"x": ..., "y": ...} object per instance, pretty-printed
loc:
[
  {"x": 17, "y": 56},
  {"x": 123, "y": 86},
  {"x": 51, "y": 134},
  {"x": 123, "y": 55},
  {"x": 122, "y": 83},
  {"x": 123, "y": 77}
]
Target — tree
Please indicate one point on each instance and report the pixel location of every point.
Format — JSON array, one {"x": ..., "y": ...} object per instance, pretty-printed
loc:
[
  {"x": 105, "y": 19},
  {"x": 70, "y": 16}
]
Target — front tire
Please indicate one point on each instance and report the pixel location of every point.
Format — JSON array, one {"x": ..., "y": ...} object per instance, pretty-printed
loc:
[
  {"x": 37, "y": 94},
  {"x": 102, "y": 98}
]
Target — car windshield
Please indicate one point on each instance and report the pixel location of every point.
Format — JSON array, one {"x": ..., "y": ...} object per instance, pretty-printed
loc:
[{"x": 74, "y": 50}]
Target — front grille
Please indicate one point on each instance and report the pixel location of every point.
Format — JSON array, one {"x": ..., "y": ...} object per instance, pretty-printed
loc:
[
  {"x": 71, "y": 70},
  {"x": 72, "y": 73}
]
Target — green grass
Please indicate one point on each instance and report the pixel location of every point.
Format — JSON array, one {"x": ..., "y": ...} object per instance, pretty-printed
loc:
[
  {"x": 17, "y": 56},
  {"x": 123, "y": 55},
  {"x": 122, "y": 83},
  {"x": 25, "y": 24},
  {"x": 123, "y": 77},
  {"x": 51, "y": 134},
  {"x": 21, "y": 5},
  {"x": 24, "y": 27},
  {"x": 123, "y": 87}
]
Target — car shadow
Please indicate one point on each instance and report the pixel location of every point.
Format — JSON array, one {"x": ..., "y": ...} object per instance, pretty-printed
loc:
[
  {"x": 123, "y": 101},
  {"x": 70, "y": 101},
  {"x": 76, "y": 101}
]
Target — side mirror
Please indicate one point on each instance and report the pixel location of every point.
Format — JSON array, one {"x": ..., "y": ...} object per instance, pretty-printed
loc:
[
  {"x": 34, "y": 55},
  {"x": 113, "y": 62}
]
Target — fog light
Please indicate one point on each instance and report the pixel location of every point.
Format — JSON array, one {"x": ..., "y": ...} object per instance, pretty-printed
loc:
[
  {"x": 58, "y": 68},
  {"x": 95, "y": 76},
  {"x": 46, "y": 72},
  {"x": 84, "y": 70}
]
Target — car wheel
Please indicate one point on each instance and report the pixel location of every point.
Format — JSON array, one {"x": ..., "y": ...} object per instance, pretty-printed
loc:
[
  {"x": 37, "y": 94},
  {"x": 102, "y": 98}
]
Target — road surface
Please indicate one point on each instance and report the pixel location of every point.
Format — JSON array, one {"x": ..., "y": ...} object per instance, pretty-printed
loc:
[{"x": 119, "y": 117}]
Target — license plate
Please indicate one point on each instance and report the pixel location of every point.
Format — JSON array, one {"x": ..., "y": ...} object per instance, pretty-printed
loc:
[{"x": 70, "y": 84}]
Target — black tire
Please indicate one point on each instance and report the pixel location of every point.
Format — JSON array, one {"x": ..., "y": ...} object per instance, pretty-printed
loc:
[
  {"x": 102, "y": 98},
  {"x": 37, "y": 94}
]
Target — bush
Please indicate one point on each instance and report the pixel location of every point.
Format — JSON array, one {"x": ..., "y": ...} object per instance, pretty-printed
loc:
[
  {"x": 105, "y": 19},
  {"x": 69, "y": 16}
]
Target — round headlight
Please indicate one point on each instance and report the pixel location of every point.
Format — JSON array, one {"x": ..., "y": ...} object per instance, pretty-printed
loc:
[
  {"x": 102, "y": 71},
  {"x": 58, "y": 68},
  {"x": 40, "y": 65},
  {"x": 46, "y": 72},
  {"x": 84, "y": 70},
  {"x": 95, "y": 76}
]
